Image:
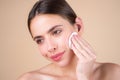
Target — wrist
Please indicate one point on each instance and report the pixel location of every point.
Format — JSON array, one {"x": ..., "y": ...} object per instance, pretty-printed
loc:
[{"x": 82, "y": 77}]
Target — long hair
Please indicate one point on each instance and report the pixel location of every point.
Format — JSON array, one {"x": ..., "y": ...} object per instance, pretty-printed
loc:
[{"x": 59, "y": 7}]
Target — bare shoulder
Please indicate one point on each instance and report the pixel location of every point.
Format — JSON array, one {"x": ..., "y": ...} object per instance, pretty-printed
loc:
[
  {"x": 110, "y": 71},
  {"x": 41, "y": 74},
  {"x": 35, "y": 76},
  {"x": 111, "y": 68},
  {"x": 25, "y": 76},
  {"x": 30, "y": 76}
]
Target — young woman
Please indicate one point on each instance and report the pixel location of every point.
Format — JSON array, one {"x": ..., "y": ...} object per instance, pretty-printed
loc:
[{"x": 51, "y": 23}]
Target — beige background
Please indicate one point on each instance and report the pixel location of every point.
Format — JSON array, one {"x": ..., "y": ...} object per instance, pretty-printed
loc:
[{"x": 19, "y": 54}]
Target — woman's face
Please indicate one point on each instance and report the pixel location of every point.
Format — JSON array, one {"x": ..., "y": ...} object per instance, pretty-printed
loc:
[{"x": 51, "y": 33}]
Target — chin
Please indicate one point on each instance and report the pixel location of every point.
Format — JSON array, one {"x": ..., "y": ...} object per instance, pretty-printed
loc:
[{"x": 63, "y": 63}]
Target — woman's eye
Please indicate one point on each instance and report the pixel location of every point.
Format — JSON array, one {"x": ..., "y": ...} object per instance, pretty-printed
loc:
[
  {"x": 57, "y": 32},
  {"x": 39, "y": 41}
]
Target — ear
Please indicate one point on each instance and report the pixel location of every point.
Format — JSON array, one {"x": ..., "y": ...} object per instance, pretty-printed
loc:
[{"x": 78, "y": 25}]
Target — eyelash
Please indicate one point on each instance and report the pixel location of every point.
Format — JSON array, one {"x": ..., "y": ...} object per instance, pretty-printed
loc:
[
  {"x": 39, "y": 41},
  {"x": 56, "y": 32}
]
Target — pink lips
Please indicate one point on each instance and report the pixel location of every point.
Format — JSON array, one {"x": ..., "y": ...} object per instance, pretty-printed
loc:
[{"x": 57, "y": 57}]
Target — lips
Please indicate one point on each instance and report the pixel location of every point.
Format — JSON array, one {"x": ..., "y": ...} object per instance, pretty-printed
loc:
[{"x": 57, "y": 57}]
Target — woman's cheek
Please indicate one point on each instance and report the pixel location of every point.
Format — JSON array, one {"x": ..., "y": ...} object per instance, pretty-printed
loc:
[
  {"x": 63, "y": 40},
  {"x": 42, "y": 50}
]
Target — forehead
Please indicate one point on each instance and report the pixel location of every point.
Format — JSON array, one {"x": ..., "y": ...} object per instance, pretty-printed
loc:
[{"x": 43, "y": 22}]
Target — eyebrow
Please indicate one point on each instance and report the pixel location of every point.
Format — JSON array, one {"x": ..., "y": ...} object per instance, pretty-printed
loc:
[{"x": 50, "y": 30}]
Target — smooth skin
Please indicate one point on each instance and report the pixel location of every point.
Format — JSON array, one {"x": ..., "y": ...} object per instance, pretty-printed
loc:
[{"x": 51, "y": 32}]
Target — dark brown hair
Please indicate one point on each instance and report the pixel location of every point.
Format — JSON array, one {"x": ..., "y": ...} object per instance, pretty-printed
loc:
[{"x": 59, "y": 7}]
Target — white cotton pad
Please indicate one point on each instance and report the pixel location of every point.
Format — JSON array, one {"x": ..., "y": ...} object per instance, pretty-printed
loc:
[{"x": 70, "y": 43}]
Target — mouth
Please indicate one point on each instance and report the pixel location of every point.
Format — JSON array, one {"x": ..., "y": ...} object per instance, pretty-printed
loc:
[{"x": 57, "y": 57}]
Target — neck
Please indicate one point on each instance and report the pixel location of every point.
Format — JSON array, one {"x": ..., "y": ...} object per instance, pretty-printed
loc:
[{"x": 70, "y": 69}]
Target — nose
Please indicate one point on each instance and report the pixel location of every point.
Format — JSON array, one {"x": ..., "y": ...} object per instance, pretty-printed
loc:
[{"x": 51, "y": 45}]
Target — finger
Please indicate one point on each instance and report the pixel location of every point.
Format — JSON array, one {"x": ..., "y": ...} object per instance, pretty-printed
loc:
[
  {"x": 79, "y": 50},
  {"x": 80, "y": 46},
  {"x": 86, "y": 46}
]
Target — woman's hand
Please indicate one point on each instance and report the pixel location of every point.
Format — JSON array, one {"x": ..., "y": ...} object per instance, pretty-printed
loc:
[{"x": 86, "y": 57}]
